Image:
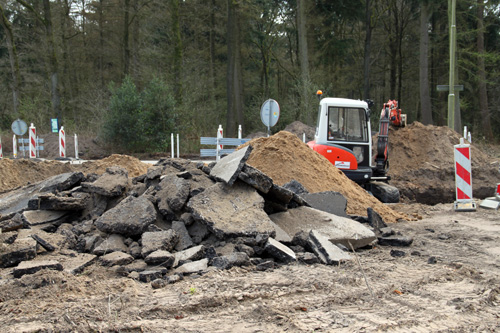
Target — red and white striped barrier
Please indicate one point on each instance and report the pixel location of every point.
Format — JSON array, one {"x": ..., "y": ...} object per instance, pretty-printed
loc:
[
  {"x": 32, "y": 140},
  {"x": 463, "y": 177},
  {"x": 1, "y": 150},
  {"x": 14, "y": 146},
  {"x": 62, "y": 142}
]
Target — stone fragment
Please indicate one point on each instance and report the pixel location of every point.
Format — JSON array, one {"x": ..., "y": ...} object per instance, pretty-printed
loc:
[
  {"x": 375, "y": 220},
  {"x": 386, "y": 232},
  {"x": 159, "y": 240},
  {"x": 31, "y": 267},
  {"x": 38, "y": 217},
  {"x": 327, "y": 252},
  {"x": 50, "y": 201},
  {"x": 279, "y": 251},
  {"x": 328, "y": 201},
  {"x": 255, "y": 178},
  {"x": 338, "y": 229},
  {"x": 111, "y": 184},
  {"x": 116, "y": 258},
  {"x": 174, "y": 192},
  {"x": 397, "y": 253},
  {"x": 191, "y": 254},
  {"x": 16, "y": 201},
  {"x": 12, "y": 224},
  {"x": 159, "y": 283},
  {"x": 193, "y": 267},
  {"x": 198, "y": 232},
  {"x": 8, "y": 237},
  {"x": 265, "y": 265},
  {"x": 150, "y": 275},
  {"x": 135, "y": 266},
  {"x": 113, "y": 243},
  {"x": 395, "y": 240},
  {"x": 231, "y": 211},
  {"x": 277, "y": 199},
  {"x": 21, "y": 250},
  {"x": 185, "y": 240},
  {"x": 130, "y": 217},
  {"x": 307, "y": 258},
  {"x": 228, "y": 168},
  {"x": 76, "y": 263},
  {"x": 281, "y": 235},
  {"x": 161, "y": 258},
  {"x": 231, "y": 260},
  {"x": 43, "y": 243}
]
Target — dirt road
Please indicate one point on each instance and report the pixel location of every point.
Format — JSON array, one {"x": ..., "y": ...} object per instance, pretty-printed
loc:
[{"x": 448, "y": 280}]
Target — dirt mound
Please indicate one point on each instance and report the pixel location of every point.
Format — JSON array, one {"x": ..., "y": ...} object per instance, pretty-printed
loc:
[
  {"x": 133, "y": 165},
  {"x": 284, "y": 157},
  {"x": 422, "y": 166},
  {"x": 20, "y": 172},
  {"x": 299, "y": 129}
]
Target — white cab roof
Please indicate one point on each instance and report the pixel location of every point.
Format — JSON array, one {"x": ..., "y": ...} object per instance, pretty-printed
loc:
[{"x": 344, "y": 102}]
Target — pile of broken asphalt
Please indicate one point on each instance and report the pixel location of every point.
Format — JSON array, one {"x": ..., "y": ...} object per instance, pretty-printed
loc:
[{"x": 179, "y": 218}]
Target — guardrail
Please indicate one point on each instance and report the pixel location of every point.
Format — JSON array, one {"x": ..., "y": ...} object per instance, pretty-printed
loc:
[{"x": 218, "y": 142}]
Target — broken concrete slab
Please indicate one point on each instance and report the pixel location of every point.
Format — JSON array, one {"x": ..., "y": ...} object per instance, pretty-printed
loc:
[
  {"x": 327, "y": 252},
  {"x": 113, "y": 243},
  {"x": 231, "y": 211},
  {"x": 256, "y": 178},
  {"x": 296, "y": 187},
  {"x": 281, "y": 235},
  {"x": 395, "y": 240},
  {"x": 185, "y": 240},
  {"x": 375, "y": 220},
  {"x": 111, "y": 184},
  {"x": 12, "y": 224},
  {"x": 279, "y": 251},
  {"x": 116, "y": 258},
  {"x": 43, "y": 243},
  {"x": 130, "y": 217},
  {"x": 38, "y": 217},
  {"x": 192, "y": 267},
  {"x": 198, "y": 231},
  {"x": 231, "y": 260},
  {"x": 151, "y": 274},
  {"x": 174, "y": 192},
  {"x": 228, "y": 168},
  {"x": 161, "y": 258},
  {"x": 17, "y": 200},
  {"x": 338, "y": 229},
  {"x": 328, "y": 201},
  {"x": 77, "y": 262},
  {"x": 191, "y": 254},
  {"x": 21, "y": 250},
  {"x": 8, "y": 237},
  {"x": 158, "y": 240},
  {"x": 50, "y": 201},
  {"x": 31, "y": 267}
]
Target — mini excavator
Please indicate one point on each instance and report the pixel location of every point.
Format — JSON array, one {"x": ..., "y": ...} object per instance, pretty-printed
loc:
[{"x": 343, "y": 136}]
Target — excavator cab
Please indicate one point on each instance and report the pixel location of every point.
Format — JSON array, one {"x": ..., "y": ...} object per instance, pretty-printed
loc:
[{"x": 343, "y": 136}]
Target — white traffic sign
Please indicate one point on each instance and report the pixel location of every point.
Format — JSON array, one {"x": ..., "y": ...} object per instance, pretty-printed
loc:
[
  {"x": 270, "y": 112},
  {"x": 19, "y": 127}
]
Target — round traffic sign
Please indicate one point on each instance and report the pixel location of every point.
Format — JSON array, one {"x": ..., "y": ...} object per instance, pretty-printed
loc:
[
  {"x": 19, "y": 127},
  {"x": 270, "y": 112}
]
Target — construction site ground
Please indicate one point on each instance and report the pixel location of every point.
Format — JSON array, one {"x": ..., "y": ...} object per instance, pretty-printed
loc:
[{"x": 447, "y": 280}]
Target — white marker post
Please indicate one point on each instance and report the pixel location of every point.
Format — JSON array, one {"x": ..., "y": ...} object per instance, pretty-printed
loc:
[
  {"x": 177, "y": 145},
  {"x": 76, "y": 146},
  {"x": 172, "y": 143},
  {"x": 14, "y": 146},
  {"x": 239, "y": 131}
]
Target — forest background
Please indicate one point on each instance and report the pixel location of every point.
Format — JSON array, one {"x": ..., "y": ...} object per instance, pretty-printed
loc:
[{"x": 131, "y": 72}]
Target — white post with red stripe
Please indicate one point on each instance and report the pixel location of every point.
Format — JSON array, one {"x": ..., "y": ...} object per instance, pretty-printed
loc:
[
  {"x": 14, "y": 146},
  {"x": 463, "y": 178},
  {"x": 1, "y": 150},
  {"x": 32, "y": 140},
  {"x": 62, "y": 142},
  {"x": 219, "y": 147}
]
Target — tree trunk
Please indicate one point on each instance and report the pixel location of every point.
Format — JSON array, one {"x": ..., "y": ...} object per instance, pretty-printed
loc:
[
  {"x": 14, "y": 61},
  {"x": 126, "y": 33},
  {"x": 234, "y": 74},
  {"x": 53, "y": 65},
  {"x": 177, "y": 57},
  {"x": 425, "y": 98},
  {"x": 368, "y": 41},
  {"x": 483, "y": 93},
  {"x": 303, "y": 56},
  {"x": 101, "y": 41}
]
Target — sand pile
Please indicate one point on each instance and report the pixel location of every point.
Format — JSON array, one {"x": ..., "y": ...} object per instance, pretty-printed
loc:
[
  {"x": 284, "y": 157},
  {"x": 132, "y": 164}
]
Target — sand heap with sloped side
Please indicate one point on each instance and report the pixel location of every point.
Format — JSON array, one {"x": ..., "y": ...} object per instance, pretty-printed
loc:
[{"x": 284, "y": 157}]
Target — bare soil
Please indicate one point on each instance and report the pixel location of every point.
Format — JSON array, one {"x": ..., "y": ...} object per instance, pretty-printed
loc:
[{"x": 459, "y": 292}]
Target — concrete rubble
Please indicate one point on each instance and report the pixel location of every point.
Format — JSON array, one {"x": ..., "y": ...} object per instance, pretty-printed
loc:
[{"x": 180, "y": 218}]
